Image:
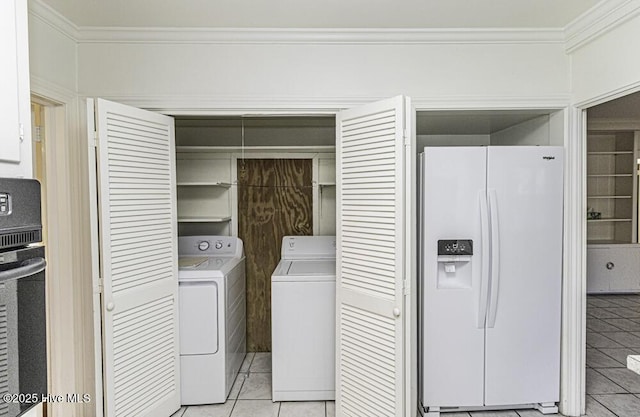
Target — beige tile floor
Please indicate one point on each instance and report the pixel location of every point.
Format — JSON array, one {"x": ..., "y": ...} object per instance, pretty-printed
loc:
[
  {"x": 613, "y": 332},
  {"x": 251, "y": 397}
]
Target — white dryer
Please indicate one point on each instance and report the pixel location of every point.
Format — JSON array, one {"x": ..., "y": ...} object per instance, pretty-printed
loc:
[
  {"x": 303, "y": 326},
  {"x": 212, "y": 314}
]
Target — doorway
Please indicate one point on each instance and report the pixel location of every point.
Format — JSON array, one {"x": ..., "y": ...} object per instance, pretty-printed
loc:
[
  {"x": 58, "y": 163},
  {"x": 267, "y": 177},
  {"x": 613, "y": 257}
]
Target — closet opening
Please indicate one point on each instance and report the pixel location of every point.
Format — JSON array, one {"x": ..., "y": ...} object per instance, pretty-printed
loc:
[
  {"x": 613, "y": 256},
  {"x": 259, "y": 178}
]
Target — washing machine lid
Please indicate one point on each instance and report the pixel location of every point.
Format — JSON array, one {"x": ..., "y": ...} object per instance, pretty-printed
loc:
[
  {"x": 305, "y": 270},
  {"x": 313, "y": 267}
]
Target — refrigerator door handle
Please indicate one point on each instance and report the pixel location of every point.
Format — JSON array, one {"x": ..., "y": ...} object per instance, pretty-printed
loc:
[
  {"x": 495, "y": 258},
  {"x": 484, "y": 260}
]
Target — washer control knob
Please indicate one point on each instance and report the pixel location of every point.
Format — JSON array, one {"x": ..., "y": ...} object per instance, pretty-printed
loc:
[
  {"x": 204, "y": 245},
  {"x": 219, "y": 244}
]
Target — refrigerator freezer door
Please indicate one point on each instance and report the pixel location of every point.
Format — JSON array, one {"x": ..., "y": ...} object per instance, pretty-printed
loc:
[
  {"x": 523, "y": 346},
  {"x": 453, "y": 191}
]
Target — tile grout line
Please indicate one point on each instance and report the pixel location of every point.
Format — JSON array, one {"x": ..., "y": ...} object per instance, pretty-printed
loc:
[
  {"x": 624, "y": 365},
  {"x": 612, "y": 381},
  {"x": 233, "y": 407},
  {"x": 605, "y": 407}
]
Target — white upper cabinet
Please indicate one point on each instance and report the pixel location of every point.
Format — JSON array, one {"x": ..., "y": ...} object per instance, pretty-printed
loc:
[
  {"x": 9, "y": 127},
  {"x": 14, "y": 84}
]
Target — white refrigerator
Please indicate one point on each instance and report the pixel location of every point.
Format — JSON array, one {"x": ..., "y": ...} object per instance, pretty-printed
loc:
[{"x": 490, "y": 277}]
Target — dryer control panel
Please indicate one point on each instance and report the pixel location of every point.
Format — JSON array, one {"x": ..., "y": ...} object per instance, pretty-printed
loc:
[
  {"x": 308, "y": 247},
  {"x": 218, "y": 246}
]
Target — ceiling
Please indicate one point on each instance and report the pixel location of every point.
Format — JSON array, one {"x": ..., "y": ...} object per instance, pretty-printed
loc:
[{"x": 340, "y": 14}]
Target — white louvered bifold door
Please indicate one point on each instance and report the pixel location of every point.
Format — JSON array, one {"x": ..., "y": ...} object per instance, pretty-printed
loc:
[
  {"x": 371, "y": 259},
  {"x": 138, "y": 253}
]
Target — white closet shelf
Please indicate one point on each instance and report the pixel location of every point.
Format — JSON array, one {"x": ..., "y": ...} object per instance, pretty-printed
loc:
[
  {"x": 611, "y": 153},
  {"x": 204, "y": 184},
  {"x": 202, "y": 219},
  {"x": 608, "y": 175},
  {"x": 607, "y": 242},
  {"x": 608, "y": 220},
  {"x": 607, "y": 196}
]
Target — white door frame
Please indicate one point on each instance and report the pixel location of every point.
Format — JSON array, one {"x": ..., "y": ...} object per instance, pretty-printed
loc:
[
  {"x": 69, "y": 322},
  {"x": 573, "y": 383}
]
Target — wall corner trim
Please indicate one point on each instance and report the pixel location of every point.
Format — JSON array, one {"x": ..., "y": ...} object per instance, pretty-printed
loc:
[{"x": 598, "y": 20}]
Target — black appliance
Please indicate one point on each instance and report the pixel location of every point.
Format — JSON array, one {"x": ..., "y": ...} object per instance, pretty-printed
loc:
[{"x": 23, "y": 354}]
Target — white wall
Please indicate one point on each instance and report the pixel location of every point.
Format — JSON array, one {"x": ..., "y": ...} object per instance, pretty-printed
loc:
[
  {"x": 451, "y": 140},
  {"x": 608, "y": 64},
  {"x": 245, "y": 75},
  {"x": 532, "y": 132},
  {"x": 52, "y": 50}
]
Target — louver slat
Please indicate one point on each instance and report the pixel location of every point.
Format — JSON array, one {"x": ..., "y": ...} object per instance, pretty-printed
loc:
[
  {"x": 370, "y": 263},
  {"x": 138, "y": 240}
]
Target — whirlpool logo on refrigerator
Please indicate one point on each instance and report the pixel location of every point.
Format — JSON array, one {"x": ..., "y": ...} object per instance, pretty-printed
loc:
[{"x": 548, "y": 158}]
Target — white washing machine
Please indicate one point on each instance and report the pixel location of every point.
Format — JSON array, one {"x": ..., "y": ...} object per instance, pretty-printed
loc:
[
  {"x": 212, "y": 314},
  {"x": 303, "y": 325}
]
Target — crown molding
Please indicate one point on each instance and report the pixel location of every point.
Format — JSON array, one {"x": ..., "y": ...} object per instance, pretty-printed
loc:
[
  {"x": 90, "y": 34},
  {"x": 43, "y": 12},
  {"x": 599, "y": 20},
  {"x": 592, "y": 24},
  {"x": 317, "y": 36},
  {"x": 93, "y": 34}
]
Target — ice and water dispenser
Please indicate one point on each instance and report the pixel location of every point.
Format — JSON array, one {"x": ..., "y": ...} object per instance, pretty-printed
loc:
[{"x": 454, "y": 263}]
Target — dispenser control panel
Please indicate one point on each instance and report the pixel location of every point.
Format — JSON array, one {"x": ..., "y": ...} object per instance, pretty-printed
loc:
[
  {"x": 5, "y": 204},
  {"x": 456, "y": 247}
]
